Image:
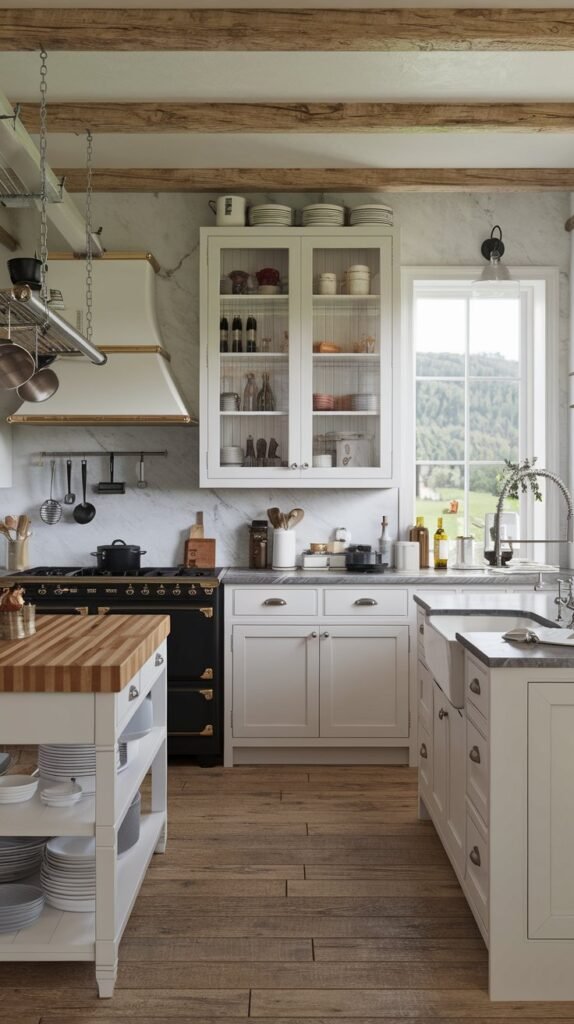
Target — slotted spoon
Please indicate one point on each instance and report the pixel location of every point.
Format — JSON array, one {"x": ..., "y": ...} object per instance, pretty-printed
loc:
[{"x": 51, "y": 510}]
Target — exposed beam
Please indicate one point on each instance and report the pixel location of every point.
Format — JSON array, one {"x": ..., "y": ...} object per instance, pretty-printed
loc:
[
  {"x": 329, "y": 179},
  {"x": 8, "y": 240},
  {"x": 282, "y": 30},
  {"x": 302, "y": 117}
]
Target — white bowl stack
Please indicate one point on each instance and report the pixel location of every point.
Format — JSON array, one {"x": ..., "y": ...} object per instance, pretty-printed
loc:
[
  {"x": 370, "y": 213},
  {"x": 231, "y": 455},
  {"x": 20, "y": 856},
  {"x": 272, "y": 215},
  {"x": 20, "y": 906},
  {"x": 358, "y": 278},
  {"x": 61, "y": 794},
  {"x": 324, "y": 215},
  {"x": 15, "y": 789},
  {"x": 69, "y": 873},
  {"x": 364, "y": 403}
]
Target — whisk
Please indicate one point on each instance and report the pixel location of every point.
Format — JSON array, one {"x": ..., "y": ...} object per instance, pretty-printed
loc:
[{"x": 51, "y": 510}]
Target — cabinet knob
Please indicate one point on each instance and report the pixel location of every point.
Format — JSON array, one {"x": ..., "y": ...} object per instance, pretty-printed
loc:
[
  {"x": 275, "y": 602},
  {"x": 133, "y": 693},
  {"x": 314, "y": 635},
  {"x": 442, "y": 714},
  {"x": 474, "y": 686},
  {"x": 421, "y": 630},
  {"x": 366, "y": 602},
  {"x": 293, "y": 466},
  {"x": 475, "y": 856},
  {"x": 158, "y": 660},
  {"x": 305, "y": 465},
  {"x": 326, "y": 635},
  {"x": 474, "y": 755},
  {"x": 424, "y": 751}
]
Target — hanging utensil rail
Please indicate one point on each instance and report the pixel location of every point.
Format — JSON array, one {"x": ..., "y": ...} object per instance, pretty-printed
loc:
[{"x": 66, "y": 453}]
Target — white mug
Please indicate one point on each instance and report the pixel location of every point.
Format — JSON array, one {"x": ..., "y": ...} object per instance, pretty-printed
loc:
[{"x": 229, "y": 211}]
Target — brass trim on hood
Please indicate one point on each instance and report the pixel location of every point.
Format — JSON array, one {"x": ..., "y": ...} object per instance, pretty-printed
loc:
[
  {"x": 80, "y": 421},
  {"x": 137, "y": 350},
  {"x": 121, "y": 255}
]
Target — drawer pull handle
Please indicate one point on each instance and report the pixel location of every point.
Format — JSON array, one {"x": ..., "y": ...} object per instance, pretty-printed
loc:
[
  {"x": 424, "y": 751},
  {"x": 159, "y": 660},
  {"x": 475, "y": 686},
  {"x": 133, "y": 692},
  {"x": 475, "y": 856},
  {"x": 367, "y": 602},
  {"x": 206, "y": 694},
  {"x": 442, "y": 714},
  {"x": 421, "y": 630},
  {"x": 275, "y": 602},
  {"x": 475, "y": 755}
]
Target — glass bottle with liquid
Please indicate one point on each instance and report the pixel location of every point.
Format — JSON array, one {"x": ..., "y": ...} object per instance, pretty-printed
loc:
[
  {"x": 265, "y": 397},
  {"x": 440, "y": 546},
  {"x": 236, "y": 334},
  {"x": 223, "y": 335},
  {"x": 250, "y": 393},
  {"x": 251, "y": 334}
]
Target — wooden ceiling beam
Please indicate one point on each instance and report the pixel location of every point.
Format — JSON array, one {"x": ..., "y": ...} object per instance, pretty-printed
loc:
[
  {"x": 286, "y": 30},
  {"x": 326, "y": 179},
  {"x": 302, "y": 117}
]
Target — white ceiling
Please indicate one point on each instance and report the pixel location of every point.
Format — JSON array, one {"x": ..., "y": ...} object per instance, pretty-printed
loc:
[{"x": 299, "y": 77}]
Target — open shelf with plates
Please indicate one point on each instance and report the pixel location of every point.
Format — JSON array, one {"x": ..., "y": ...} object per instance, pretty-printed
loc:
[{"x": 308, "y": 370}]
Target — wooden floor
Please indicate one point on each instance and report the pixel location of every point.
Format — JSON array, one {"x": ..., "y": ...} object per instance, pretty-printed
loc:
[{"x": 289, "y": 895}]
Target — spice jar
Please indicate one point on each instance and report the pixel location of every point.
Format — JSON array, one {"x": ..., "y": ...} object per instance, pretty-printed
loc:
[{"x": 258, "y": 542}]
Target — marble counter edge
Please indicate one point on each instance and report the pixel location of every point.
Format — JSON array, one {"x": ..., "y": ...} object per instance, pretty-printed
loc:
[
  {"x": 429, "y": 577},
  {"x": 491, "y": 650}
]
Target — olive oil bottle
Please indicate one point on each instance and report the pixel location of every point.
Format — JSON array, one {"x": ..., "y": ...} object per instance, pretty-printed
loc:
[{"x": 440, "y": 546}]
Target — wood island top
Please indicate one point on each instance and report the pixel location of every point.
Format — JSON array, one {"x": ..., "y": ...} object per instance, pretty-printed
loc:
[{"x": 91, "y": 654}]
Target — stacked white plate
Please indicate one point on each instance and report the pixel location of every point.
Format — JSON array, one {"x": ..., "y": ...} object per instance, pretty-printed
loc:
[
  {"x": 20, "y": 856},
  {"x": 69, "y": 873},
  {"x": 61, "y": 762},
  {"x": 271, "y": 215},
  {"x": 14, "y": 789},
  {"x": 62, "y": 794},
  {"x": 371, "y": 213},
  {"x": 231, "y": 455},
  {"x": 364, "y": 403},
  {"x": 20, "y": 906},
  {"x": 323, "y": 215}
]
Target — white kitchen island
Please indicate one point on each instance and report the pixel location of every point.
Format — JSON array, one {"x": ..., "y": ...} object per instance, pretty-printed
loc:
[
  {"x": 80, "y": 681},
  {"x": 496, "y": 777}
]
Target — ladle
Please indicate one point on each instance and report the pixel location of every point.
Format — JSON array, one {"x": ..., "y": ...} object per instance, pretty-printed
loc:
[{"x": 85, "y": 512}]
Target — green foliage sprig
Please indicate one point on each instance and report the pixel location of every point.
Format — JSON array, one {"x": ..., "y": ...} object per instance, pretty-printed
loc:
[{"x": 528, "y": 480}]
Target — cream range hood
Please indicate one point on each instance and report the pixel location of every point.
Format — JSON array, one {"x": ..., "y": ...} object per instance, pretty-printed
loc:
[{"x": 135, "y": 385}]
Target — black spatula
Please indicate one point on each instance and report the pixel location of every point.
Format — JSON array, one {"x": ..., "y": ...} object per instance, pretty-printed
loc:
[{"x": 111, "y": 486}]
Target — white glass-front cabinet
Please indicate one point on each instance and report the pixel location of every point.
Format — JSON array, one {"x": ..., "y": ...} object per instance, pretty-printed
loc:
[{"x": 301, "y": 391}]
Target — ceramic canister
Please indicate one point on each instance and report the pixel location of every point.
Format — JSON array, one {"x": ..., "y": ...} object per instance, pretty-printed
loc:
[{"x": 284, "y": 549}]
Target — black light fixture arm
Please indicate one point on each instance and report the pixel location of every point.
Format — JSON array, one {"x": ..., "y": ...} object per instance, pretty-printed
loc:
[{"x": 493, "y": 248}]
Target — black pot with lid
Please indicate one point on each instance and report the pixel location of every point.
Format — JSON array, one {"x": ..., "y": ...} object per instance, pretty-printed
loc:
[{"x": 118, "y": 557}]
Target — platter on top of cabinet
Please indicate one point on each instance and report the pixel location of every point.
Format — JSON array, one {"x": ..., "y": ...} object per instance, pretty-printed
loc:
[{"x": 299, "y": 357}]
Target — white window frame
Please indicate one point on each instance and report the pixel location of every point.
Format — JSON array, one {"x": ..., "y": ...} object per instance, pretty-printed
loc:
[{"x": 541, "y": 407}]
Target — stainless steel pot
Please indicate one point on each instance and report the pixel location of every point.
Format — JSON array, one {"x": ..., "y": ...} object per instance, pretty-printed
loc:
[
  {"x": 16, "y": 366},
  {"x": 118, "y": 557}
]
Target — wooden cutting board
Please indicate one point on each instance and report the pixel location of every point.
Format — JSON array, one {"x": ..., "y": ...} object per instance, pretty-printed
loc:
[{"x": 199, "y": 552}]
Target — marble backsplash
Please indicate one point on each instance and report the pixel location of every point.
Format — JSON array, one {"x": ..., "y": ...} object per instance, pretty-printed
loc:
[{"x": 436, "y": 229}]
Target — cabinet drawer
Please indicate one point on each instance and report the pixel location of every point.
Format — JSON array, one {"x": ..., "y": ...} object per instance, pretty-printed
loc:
[
  {"x": 477, "y": 769},
  {"x": 477, "y": 684},
  {"x": 425, "y": 763},
  {"x": 130, "y": 698},
  {"x": 477, "y": 880},
  {"x": 368, "y": 601},
  {"x": 275, "y": 601}
]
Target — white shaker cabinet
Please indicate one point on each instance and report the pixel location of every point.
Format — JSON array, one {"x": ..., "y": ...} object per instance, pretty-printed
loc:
[
  {"x": 448, "y": 785},
  {"x": 331, "y": 362}
]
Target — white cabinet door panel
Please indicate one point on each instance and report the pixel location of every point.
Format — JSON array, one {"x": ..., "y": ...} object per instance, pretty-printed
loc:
[
  {"x": 364, "y": 681},
  {"x": 550, "y": 810},
  {"x": 275, "y": 681},
  {"x": 456, "y": 803},
  {"x": 440, "y": 754}
]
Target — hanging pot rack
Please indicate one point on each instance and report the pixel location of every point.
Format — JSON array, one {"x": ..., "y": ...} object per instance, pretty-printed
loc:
[{"x": 23, "y": 311}]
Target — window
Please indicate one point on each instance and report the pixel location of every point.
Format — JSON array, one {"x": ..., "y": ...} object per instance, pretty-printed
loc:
[{"x": 479, "y": 370}]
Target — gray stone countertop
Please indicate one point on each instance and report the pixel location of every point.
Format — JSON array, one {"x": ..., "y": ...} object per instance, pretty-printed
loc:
[
  {"x": 330, "y": 577},
  {"x": 495, "y": 652},
  {"x": 539, "y": 604}
]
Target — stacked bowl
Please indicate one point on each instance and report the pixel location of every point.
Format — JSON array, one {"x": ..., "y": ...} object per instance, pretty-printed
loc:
[
  {"x": 323, "y": 403},
  {"x": 323, "y": 215},
  {"x": 273, "y": 215},
  {"x": 69, "y": 873},
  {"x": 371, "y": 213},
  {"x": 231, "y": 455},
  {"x": 358, "y": 279},
  {"x": 364, "y": 403},
  {"x": 14, "y": 789}
]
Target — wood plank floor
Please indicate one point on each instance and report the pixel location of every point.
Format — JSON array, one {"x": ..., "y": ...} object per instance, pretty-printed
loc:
[{"x": 291, "y": 896}]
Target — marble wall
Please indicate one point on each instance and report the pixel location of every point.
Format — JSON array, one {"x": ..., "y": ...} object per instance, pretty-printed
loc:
[{"x": 436, "y": 229}]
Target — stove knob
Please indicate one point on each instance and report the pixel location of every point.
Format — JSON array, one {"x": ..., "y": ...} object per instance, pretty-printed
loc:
[
  {"x": 58, "y": 591},
  {"x": 42, "y": 591},
  {"x": 129, "y": 592},
  {"x": 176, "y": 591},
  {"x": 192, "y": 592},
  {"x": 145, "y": 591},
  {"x": 160, "y": 591}
]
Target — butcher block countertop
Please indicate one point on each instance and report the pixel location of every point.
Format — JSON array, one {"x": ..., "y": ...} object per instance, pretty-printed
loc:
[{"x": 91, "y": 654}]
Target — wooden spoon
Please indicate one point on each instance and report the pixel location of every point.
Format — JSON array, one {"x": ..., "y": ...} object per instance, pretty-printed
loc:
[
  {"x": 294, "y": 516},
  {"x": 275, "y": 518}
]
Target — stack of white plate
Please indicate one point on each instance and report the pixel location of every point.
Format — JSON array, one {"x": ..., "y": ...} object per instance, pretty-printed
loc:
[
  {"x": 231, "y": 455},
  {"x": 371, "y": 213},
  {"x": 323, "y": 215},
  {"x": 364, "y": 403},
  {"x": 14, "y": 789},
  {"x": 61, "y": 794},
  {"x": 271, "y": 215},
  {"x": 69, "y": 873},
  {"x": 20, "y": 856},
  {"x": 60, "y": 762},
  {"x": 20, "y": 906}
]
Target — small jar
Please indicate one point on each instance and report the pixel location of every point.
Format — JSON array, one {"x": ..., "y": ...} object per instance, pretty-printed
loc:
[
  {"x": 258, "y": 542},
  {"x": 327, "y": 284}
]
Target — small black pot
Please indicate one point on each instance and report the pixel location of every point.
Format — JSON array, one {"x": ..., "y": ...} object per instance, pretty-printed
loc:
[
  {"x": 118, "y": 557},
  {"x": 361, "y": 558},
  {"x": 26, "y": 270}
]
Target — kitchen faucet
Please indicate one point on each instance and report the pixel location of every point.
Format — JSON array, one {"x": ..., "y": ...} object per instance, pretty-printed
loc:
[{"x": 516, "y": 478}]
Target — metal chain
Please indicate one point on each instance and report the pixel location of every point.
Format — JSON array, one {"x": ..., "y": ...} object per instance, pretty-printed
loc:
[
  {"x": 89, "y": 239},
  {"x": 43, "y": 175}
]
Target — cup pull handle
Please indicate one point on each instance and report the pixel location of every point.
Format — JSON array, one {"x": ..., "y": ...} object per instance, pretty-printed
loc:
[
  {"x": 475, "y": 755},
  {"x": 442, "y": 714},
  {"x": 474, "y": 686},
  {"x": 424, "y": 751},
  {"x": 475, "y": 856},
  {"x": 366, "y": 602},
  {"x": 159, "y": 660},
  {"x": 274, "y": 602},
  {"x": 133, "y": 693}
]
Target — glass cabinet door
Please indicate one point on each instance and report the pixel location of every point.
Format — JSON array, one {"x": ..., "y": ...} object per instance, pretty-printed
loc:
[
  {"x": 347, "y": 342},
  {"x": 253, "y": 365}
]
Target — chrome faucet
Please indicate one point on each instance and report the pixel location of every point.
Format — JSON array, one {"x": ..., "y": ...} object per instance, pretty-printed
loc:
[{"x": 515, "y": 478}]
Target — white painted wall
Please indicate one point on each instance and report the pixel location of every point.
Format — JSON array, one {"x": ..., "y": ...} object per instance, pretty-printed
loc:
[{"x": 436, "y": 229}]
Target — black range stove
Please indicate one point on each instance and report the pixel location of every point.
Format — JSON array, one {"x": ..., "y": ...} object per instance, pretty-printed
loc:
[{"x": 192, "y": 599}]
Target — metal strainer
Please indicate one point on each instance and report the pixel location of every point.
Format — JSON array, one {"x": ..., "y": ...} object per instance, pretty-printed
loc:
[{"x": 51, "y": 510}]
